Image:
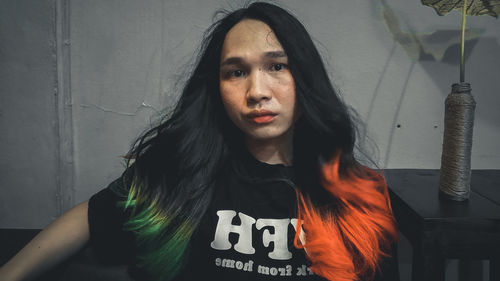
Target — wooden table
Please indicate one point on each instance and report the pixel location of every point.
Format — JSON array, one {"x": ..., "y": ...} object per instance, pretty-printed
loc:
[{"x": 439, "y": 228}]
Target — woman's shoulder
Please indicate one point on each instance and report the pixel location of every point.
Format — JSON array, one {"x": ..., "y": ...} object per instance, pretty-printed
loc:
[
  {"x": 106, "y": 217},
  {"x": 121, "y": 186}
]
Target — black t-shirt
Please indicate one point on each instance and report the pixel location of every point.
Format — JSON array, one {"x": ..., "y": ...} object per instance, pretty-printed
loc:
[{"x": 246, "y": 234}]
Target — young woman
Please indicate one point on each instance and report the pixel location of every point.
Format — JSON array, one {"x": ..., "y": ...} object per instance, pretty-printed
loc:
[{"x": 252, "y": 177}]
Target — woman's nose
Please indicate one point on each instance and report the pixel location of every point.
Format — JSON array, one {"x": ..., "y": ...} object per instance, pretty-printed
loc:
[{"x": 258, "y": 88}]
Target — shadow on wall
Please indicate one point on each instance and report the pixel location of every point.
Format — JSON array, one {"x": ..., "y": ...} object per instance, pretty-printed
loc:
[
  {"x": 482, "y": 81},
  {"x": 435, "y": 52}
]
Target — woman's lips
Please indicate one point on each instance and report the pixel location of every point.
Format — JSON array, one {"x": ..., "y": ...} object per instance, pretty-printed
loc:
[
  {"x": 262, "y": 116},
  {"x": 263, "y": 119}
]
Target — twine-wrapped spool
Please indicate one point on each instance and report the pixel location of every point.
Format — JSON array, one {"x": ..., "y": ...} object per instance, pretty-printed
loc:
[{"x": 455, "y": 173}]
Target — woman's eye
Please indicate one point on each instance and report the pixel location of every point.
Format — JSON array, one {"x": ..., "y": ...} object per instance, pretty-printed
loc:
[
  {"x": 277, "y": 67},
  {"x": 237, "y": 73},
  {"x": 231, "y": 74}
]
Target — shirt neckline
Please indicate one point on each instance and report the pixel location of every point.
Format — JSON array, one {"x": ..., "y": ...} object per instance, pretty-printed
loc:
[{"x": 258, "y": 170}]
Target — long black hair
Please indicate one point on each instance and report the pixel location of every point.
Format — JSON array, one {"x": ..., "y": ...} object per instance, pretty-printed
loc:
[{"x": 175, "y": 164}]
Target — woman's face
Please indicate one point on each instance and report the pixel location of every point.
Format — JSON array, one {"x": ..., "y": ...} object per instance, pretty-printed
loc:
[{"x": 256, "y": 86}]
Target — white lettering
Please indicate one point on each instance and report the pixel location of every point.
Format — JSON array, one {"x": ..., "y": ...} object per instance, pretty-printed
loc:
[
  {"x": 248, "y": 266},
  {"x": 285, "y": 271},
  {"x": 225, "y": 226},
  {"x": 228, "y": 263},
  {"x": 301, "y": 271},
  {"x": 263, "y": 270},
  {"x": 310, "y": 271},
  {"x": 279, "y": 238}
]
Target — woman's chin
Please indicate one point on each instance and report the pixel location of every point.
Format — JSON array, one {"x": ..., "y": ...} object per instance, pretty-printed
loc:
[{"x": 265, "y": 134}]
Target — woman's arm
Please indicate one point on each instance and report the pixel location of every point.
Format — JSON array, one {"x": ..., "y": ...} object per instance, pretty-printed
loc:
[{"x": 58, "y": 241}]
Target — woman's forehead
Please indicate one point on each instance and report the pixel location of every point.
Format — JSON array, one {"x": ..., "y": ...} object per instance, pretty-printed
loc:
[{"x": 249, "y": 37}]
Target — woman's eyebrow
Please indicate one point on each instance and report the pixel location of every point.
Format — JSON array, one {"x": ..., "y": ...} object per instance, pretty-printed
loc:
[
  {"x": 240, "y": 60},
  {"x": 275, "y": 54},
  {"x": 232, "y": 60}
]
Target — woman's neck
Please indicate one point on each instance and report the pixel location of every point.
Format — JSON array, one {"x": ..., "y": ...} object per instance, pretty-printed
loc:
[{"x": 271, "y": 151}]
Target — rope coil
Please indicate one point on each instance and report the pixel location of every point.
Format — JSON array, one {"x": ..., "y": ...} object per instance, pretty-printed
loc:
[{"x": 455, "y": 171}]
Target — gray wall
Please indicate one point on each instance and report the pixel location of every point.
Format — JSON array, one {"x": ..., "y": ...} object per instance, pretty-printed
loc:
[
  {"x": 28, "y": 114},
  {"x": 81, "y": 79}
]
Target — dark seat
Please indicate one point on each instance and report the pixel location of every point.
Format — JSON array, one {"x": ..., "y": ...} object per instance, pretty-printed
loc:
[{"x": 83, "y": 266}]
